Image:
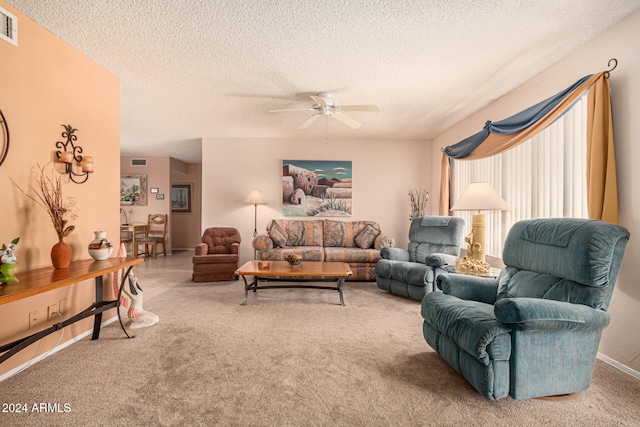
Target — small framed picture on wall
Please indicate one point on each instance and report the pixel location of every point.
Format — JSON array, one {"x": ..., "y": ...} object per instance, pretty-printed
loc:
[
  {"x": 159, "y": 196},
  {"x": 154, "y": 190},
  {"x": 181, "y": 198}
]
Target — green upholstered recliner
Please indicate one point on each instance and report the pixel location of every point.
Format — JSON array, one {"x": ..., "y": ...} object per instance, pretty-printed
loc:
[
  {"x": 434, "y": 241},
  {"x": 535, "y": 331}
]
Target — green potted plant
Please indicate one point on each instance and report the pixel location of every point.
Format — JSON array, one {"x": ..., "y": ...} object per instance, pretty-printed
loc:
[{"x": 8, "y": 262}]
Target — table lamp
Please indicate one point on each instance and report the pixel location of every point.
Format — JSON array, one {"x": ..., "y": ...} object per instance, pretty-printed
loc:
[{"x": 479, "y": 196}]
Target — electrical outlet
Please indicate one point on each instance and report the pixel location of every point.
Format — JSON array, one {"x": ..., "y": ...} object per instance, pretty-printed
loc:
[
  {"x": 34, "y": 319},
  {"x": 63, "y": 306},
  {"x": 53, "y": 308}
]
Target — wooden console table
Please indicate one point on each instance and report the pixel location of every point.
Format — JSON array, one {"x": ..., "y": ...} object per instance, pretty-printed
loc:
[{"x": 46, "y": 279}]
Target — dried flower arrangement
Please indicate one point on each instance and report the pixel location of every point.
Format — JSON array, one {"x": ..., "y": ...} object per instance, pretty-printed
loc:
[
  {"x": 418, "y": 199},
  {"x": 48, "y": 195}
]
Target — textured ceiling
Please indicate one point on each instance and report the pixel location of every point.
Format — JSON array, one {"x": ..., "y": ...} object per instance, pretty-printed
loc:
[{"x": 194, "y": 68}]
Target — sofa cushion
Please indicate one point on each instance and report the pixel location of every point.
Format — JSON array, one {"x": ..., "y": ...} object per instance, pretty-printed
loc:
[
  {"x": 471, "y": 325},
  {"x": 351, "y": 255},
  {"x": 411, "y": 273},
  {"x": 216, "y": 259},
  {"x": 384, "y": 241},
  {"x": 308, "y": 253},
  {"x": 551, "y": 247},
  {"x": 367, "y": 236},
  {"x": 301, "y": 233},
  {"x": 343, "y": 233},
  {"x": 220, "y": 240},
  {"x": 263, "y": 242},
  {"x": 278, "y": 234}
]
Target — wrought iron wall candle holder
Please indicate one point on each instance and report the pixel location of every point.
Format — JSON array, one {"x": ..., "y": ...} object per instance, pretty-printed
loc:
[{"x": 70, "y": 155}]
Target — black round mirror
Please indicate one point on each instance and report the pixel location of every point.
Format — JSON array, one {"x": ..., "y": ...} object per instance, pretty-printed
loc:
[{"x": 4, "y": 138}]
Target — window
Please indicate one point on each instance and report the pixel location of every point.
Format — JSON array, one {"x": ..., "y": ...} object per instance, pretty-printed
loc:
[
  {"x": 544, "y": 177},
  {"x": 8, "y": 27}
]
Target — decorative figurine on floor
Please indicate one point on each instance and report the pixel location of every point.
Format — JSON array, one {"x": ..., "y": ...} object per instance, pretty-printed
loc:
[{"x": 131, "y": 298}]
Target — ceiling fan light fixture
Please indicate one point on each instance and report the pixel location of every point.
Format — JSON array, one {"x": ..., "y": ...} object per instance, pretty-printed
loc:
[{"x": 325, "y": 105}]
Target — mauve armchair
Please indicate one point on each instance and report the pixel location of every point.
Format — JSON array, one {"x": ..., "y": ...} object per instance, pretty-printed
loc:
[
  {"x": 218, "y": 255},
  {"x": 534, "y": 331}
]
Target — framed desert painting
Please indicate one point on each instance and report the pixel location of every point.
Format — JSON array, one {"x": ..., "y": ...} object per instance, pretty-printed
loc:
[
  {"x": 133, "y": 190},
  {"x": 316, "y": 188}
]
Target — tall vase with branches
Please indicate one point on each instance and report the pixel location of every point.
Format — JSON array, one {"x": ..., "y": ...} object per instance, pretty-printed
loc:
[
  {"x": 47, "y": 190},
  {"x": 418, "y": 200}
]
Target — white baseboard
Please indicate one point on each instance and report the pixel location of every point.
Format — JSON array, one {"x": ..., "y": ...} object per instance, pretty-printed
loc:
[
  {"x": 54, "y": 350},
  {"x": 618, "y": 365}
]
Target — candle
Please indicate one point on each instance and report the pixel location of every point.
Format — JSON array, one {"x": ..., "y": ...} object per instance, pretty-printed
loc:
[
  {"x": 87, "y": 164},
  {"x": 66, "y": 157}
]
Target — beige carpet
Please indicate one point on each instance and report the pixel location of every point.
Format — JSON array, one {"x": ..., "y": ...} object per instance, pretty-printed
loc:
[{"x": 290, "y": 357}]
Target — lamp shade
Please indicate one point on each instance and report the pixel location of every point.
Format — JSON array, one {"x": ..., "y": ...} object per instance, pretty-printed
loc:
[
  {"x": 480, "y": 196},
  {"x": 254, "y": 198}
]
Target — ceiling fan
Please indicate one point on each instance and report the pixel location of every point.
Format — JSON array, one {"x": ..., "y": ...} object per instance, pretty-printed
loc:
[{"x": 324, "y": 105}]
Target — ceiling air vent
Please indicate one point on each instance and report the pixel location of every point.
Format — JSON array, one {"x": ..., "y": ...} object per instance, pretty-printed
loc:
[
  {"x": 138, "y": 162},
  {"x": 8, "y": 27}
]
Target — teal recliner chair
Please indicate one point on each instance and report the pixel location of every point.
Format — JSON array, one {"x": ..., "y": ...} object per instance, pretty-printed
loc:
[
  {"x": 535, "y": 331},
  {"x": 434, "y": 242}
]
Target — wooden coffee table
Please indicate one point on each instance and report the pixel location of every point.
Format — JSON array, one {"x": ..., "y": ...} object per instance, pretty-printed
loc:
[{"x": 324, "y": 270}]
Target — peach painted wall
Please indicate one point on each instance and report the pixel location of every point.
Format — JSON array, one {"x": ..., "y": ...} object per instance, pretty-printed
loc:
[
  {"x": 185, "y": 227},
  {"x": 158, "y": 176},
  {"x": 46, "y": 83},
  {"x": 383, "y": 173},
  {"x": 620, "y": 341}
]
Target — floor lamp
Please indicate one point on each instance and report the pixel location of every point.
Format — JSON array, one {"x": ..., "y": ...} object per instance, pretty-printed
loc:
[
  {"x": 255, "y": 198},
  {"x": 479, "y": 196}
]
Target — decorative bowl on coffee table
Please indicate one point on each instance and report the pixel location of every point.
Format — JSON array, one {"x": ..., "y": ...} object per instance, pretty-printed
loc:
[{"x": 294, "y": 260}]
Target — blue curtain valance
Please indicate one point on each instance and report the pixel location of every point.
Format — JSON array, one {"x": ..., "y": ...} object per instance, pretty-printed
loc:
[{"x": 510, "y": 125}]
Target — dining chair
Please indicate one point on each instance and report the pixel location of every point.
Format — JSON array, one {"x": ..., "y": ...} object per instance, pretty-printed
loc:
[
  {"x": 156, "y": 235},
  {"x": 129, "y": 234}
]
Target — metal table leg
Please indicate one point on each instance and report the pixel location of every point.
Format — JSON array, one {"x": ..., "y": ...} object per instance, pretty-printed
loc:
[
  {"x": 253, "y": 286},
  {"x": 97, "y": 319},
  {"x": 340, "y": 285},
  {"x": 125, "y": 276}
]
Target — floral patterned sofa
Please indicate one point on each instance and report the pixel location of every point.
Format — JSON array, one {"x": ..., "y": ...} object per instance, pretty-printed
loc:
[{"x": 357, "y": 243}]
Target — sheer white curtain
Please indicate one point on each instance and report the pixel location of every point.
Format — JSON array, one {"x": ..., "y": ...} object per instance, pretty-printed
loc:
[{"x": 544, "y": 177}]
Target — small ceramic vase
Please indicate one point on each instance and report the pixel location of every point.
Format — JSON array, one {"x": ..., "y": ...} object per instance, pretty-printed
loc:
[
  {"x": 61, "y": 255},
  {"x": 100, "y": 248}
]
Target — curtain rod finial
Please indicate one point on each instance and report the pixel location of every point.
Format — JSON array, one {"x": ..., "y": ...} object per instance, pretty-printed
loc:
[{"x": 615, "y": 64}]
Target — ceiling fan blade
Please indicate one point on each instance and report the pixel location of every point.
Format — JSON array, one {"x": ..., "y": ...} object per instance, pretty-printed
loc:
[
  {"x": 292, "y": 109},
  {"x": 371, "y": 108},
  {"x": 310, "y": 120},
  {"x": 353, "y": 124}
]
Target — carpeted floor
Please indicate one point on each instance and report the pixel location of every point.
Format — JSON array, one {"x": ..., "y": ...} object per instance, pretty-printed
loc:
[{"x": 289, "y": 357}]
